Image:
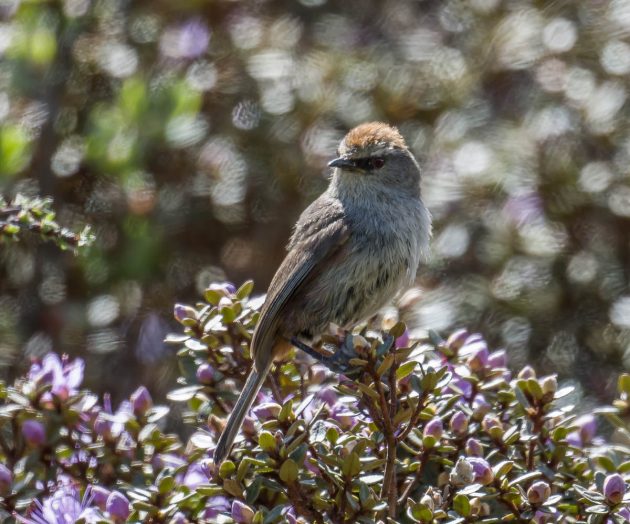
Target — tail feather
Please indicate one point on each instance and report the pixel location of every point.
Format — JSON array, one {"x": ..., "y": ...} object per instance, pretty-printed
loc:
[{"x": 235, "y": 421}]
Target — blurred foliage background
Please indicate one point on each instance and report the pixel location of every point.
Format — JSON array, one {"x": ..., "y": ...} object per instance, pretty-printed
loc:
[{"x": 191, "y": 134}]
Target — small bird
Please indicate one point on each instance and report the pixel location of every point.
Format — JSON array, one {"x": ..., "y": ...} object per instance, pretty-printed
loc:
[{"x": 351, "y": 251}]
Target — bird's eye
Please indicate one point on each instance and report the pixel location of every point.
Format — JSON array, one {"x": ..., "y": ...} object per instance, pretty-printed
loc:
[{"x": 377, "y": 163}]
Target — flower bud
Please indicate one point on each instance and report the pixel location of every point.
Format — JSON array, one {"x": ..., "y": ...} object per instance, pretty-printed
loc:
[
  {"x": 434, "y": 428},
  {"x": 475, "y": 506},
  {"x": 242, "y": 513},
  {"x": 482, "y": 470},
  {"x": 178, "y": 518},
  {"x": 102, "y": 426},
  {"x": 457, "y": 339},
  {"x": 361, "y": 345},
  {"x": 428, "y": 502},
  {"x": 538, "y": 492},
  {"x": 459, "y": 423},
  {"x": 588, "y": 428},
  {"x": 497, "y": 359},
  {"x": 478, "y": 358},
  {"x": 223, "y": 288},
  {"x": 489, "y": 423},
  {"x": 6, "y": 479},
  {"x": 462, "y": 473},
  {"x": 474, "y": 448},
  {"x": 100, "y": 496},
  {"x": 480, "y": 407},
  {"x": 141, "y": 400},
  {"x": 215, "y": 506},
  {"x": 182, "y": 312},
  {"x": 266, "y": 411},
  {"x": 614, "y": 488},
  {"x": 549, "y": 385},
  {"x": 33, "y": 432},
  {"x": 225, "y": 302},
  {"x": 403, "y": 340},
  {"x": 117, "y": 506},
  {"x": 205, "y": 373},
  {"x": 527, "y": 372}
]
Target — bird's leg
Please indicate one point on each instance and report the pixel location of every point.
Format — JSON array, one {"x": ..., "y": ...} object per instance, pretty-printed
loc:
[
  {"x": 330, "y": 361},
  {"x": 339, "y": 361}
]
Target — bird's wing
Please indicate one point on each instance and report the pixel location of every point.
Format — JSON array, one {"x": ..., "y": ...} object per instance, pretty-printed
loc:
[{"x": 313, "y": 247}]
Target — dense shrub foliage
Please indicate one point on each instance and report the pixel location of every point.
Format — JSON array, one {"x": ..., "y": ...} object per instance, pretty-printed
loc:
[
  {"x": 191, "y": 135},
  {"x": 426, "y": 430}
]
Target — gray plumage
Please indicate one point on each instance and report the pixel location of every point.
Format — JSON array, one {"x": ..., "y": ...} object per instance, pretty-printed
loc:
[{"x": 351, "y": 251}]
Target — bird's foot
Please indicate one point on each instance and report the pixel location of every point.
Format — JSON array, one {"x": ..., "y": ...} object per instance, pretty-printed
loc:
[{"x": 339, "y": 359}]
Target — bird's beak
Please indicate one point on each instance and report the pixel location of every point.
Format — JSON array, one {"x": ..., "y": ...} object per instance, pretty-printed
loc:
[{"x": 342, "y": 163}]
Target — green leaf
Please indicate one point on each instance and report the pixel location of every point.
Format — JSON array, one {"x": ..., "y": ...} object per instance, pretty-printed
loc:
[
  {"x": 288, "y": 471},
  {"x": 226, "y": 469},
  {"x": 183, "y": 394},
  {"x": 245, "y": 290},
  {"x": 387, "y": 363},
  {"x": 461, "y": 504},
  {"x": 406, "y": 369},
  {"x": 398, "y": 330},
  {"x": 623, "y": 383},
  {"x": 267, "y": 441},
  {"x": 351, "y": 465}
]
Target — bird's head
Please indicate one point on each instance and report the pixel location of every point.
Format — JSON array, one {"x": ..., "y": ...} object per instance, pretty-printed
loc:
[{"x": 377, "y": 154}]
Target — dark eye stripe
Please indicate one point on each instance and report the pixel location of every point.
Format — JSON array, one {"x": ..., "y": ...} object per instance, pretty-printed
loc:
[{"x": 369, "y": 163}]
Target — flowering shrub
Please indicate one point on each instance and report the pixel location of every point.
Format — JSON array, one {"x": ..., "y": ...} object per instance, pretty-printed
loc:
[{"x": 414, "y": 430}]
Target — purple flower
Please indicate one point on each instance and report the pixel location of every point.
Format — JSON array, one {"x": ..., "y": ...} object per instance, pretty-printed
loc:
[
  {"x": 267, "y": 410},
  {"x": 456, "y": 339},
  {"x": 216, "y": 506},
  {"x": 477, "y": 355},
  {"x": 460, "y": 385},
  {"x": 588, "y": 427},
  {"x": 585, "y": 434},
  {"x": 205, "y": 373},
  {"x": 178, "y": 518},
  {"x": 117, "y": 506},
  {"x": 538, "y": 492},
  {"x": 434, "y": 428},
  {"x": 614, "y": 488},
  {"x": 624, "y": 513},
  {"x": 196, "y": 474},
  {"x": 343, "y": 415},
  {"x": 168, "y": 460},
  {"x": 480, "y": 407},
  {"x": 328, "y": 395},
  {"x": 459, "y": 423},
  {"x": 527, "y": 372},
  {"x": 497, "y": 359},
  {"x": 33, "y": 432},
  {"x": 141, "y": 400},
  {"x": 482, "y": 470},
  {"x": 182, "y": 312},
  {"x": 403, "y": 340},
  {"x": 474, "y": 448},
  {"x": 242, "y": 513},
  {"x": 290, "y": 516},
  {"x": 6, "y": 479},
  {"x": 63, "y": 375},
  {"x": 99, "y": 496},
  {"x": 63, "y": 506}
]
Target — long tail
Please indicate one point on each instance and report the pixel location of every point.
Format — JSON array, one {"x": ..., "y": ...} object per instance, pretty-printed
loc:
[{"x": 250, "y": 390}]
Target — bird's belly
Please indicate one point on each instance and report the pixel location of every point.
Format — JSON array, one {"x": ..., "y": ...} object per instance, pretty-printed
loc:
[{"x": 366, "y": 281}]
